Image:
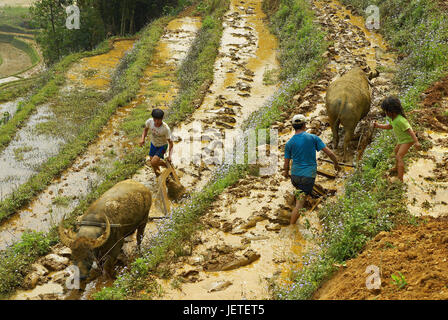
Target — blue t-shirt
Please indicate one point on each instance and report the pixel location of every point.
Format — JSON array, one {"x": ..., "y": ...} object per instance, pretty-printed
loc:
[{"x": 301, "y": 148}]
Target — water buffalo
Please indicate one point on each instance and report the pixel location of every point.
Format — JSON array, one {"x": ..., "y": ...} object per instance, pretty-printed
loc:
[
  {"x": 347, "y": 101},
  {"x": 115, "y": 215}
]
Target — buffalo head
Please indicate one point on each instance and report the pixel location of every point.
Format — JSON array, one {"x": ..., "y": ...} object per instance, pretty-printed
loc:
[{"x": 83, "y": 247}]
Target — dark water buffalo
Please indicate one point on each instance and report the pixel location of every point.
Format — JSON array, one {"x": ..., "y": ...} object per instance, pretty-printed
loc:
[
  {"x": 115, "y": 215},
  {"x": 347, "y": 101}
]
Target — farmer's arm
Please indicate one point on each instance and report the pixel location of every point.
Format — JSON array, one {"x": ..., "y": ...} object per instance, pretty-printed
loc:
[
  {"x": 144, "y": 134},
  {"x": 286, "y": 168},
  {"x": 414, "y": 137},
  {"x": 382, "y": 126},
  {"x": 333, "y": 158},
  {"x": 170, "y": 149}
]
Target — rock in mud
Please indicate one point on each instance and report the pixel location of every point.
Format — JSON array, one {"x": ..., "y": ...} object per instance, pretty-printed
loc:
[
  {"x": 197, "y": 260},
  {"x": 38, "y": 273},
  {"x": 249, "y": 257},
  {"x": 62, "y": 251},
  {"x": 281, "y": 217},
  {"x": 273, "y": 227},
  {"x": 60, "y": 276},
  {"x": 55, "y": 262},
  {"x": 191, "y": 275},
  {"x": 226, "y": 226},
  {"x": 219, "y": 286},
  {"x": 252, "y": 221}
]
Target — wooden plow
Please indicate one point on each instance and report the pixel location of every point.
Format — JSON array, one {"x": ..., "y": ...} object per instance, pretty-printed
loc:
[{"x": 162, "y": 191}]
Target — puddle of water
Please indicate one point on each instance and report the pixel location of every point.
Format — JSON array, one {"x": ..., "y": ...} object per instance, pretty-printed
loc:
[{"x": 8, "y": 79}]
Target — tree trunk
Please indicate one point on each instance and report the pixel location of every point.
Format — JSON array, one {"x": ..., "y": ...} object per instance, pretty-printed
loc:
[
  {"x": 54, "y": 30},
  {"x": 132, "y": 22},
  {"x": 123, "y": 18}
]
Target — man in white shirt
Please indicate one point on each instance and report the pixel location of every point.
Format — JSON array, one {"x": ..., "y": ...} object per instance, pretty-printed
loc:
[{"x": 160, "y": 139}]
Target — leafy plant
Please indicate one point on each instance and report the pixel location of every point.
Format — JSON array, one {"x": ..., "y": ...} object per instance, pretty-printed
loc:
[{"x": 399, "y": 280}]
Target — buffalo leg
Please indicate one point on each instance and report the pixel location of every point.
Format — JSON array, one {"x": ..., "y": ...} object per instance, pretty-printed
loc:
[
  {"x": 349, "y": 131},
  {"x": 335, "y": 130},
  {"x": 112, "y": 258},
  {"x": 140, "y": 232}
]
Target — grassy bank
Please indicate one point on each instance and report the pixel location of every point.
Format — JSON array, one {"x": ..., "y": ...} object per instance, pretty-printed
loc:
[
  {"x": 370, "y": 204},
  {"x": 175, "y": 232}
]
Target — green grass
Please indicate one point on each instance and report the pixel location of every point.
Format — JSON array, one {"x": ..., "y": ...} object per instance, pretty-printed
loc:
[
  {"x": 61, "y": 201},
  {"x": 19, "y": 152},
  {"x": 12, "y": 90}
]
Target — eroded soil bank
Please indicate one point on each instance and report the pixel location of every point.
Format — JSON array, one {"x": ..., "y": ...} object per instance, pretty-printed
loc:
[{"x": 418, "y": 252}]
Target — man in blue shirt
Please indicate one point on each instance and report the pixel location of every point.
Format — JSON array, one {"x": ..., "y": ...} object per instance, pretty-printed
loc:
[{"x": 301, "y": 148}]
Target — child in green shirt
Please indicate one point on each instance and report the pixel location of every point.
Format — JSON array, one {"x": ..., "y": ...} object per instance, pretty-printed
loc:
[{"x": 402, "y": 129}]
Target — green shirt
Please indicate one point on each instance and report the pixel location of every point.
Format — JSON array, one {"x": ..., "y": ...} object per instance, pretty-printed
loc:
[{"x": 400, "y": 126}]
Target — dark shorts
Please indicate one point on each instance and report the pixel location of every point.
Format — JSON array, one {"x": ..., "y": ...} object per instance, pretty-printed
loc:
[
  {"x": 304, "y": 184},
  {"x": 157, "y": 151}
]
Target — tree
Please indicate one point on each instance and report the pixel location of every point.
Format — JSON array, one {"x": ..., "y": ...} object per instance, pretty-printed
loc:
[{"x": 55, "y": 39}]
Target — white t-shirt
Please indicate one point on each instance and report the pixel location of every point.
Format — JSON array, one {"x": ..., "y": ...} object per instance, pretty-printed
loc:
[{"x": 159, "y": 135}]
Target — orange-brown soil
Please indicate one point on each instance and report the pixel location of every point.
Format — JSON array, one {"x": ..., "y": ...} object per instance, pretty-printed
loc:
[{"x": 420, "y": 253}]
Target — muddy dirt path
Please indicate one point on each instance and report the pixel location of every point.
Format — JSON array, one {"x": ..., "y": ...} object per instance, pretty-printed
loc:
[
  {"x": 247, "y": 241},
  {"x": 111, "y": 144},
  {"x": 427, "y": 175}
]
